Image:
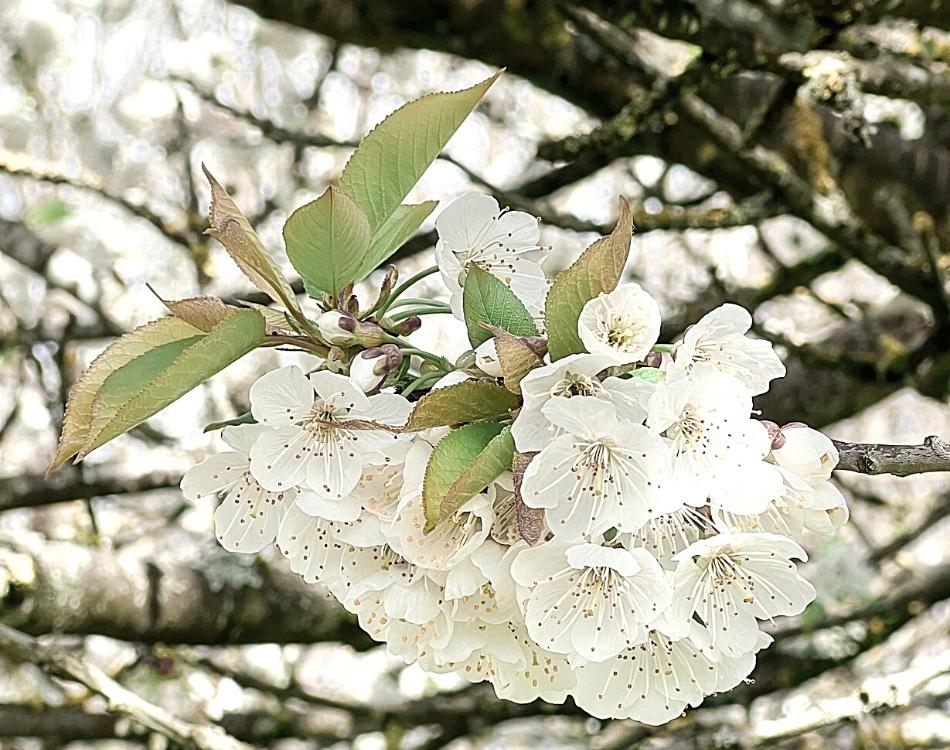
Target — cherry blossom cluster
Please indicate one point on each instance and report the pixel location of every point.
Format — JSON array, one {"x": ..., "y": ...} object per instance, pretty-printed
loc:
[{"x": 648, "y": 524}]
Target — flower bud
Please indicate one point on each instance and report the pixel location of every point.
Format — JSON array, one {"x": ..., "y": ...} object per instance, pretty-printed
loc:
[
  {"x": 371, "y": 366},
  {"x": 404, "y": 327},
  {"x": 775, "y": 432},
  {"x": 337, "y": 327},
  {"x": 806, "y": 452},
  {"x": 486, "y": 359}
]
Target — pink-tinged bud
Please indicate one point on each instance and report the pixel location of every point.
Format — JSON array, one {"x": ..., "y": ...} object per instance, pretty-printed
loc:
[
  {"x": 775, "y": 432},
  {"x": 337, "y": 327},
  {"x": 404, "y": 327},
  {"x": 370, "y": 367},
  {"x": 653, "y": 359}
]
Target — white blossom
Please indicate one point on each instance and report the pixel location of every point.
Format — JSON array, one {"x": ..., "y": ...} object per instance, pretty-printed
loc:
[
  {"x": 623, "y": 324},
  {"x": 732, "y": 579},
  {"x": 600, "y": 473},
  {"x": 717, "y": 449},
  {"x": 719, "y": 339},
  {"x": 310, "y": 444},
  {"x": 474, "y": 230},
  {"x": 574, "y": 375},
  {"x": 651, "y": 682},
  {"x": 248, "y": 516},
  {"x": 588, "y": 601}
]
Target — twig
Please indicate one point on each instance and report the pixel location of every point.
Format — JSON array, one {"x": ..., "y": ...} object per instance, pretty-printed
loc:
[
  {"x": 900, "y": 460},
  {"x": 20, "y": 165},
  {"x": 874, "y": 694},
  {"x": 60, "y": 663}
]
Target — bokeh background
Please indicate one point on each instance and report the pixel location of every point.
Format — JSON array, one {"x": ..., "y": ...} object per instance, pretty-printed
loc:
[{"x": 792, "y": 156}]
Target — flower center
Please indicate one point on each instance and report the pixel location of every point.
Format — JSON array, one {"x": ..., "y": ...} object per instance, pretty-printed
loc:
[{"x": 575, "y": 384}]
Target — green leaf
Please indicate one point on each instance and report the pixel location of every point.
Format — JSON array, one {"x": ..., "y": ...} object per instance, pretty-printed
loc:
[
  {"x": 392, "y": 158},
  {"x": 486, "y": 299},
  {"x": 232, "y": 229},
  {"x": 597, "y": 270},
  {"x": 150, "y": 382},
  {"x": 327, "y": 240},
  {"x": 468, "y": 401},
  {"x": 119, "y": 353},
  {"x": 245, "y": 418},
  {"x": 452, "y": 457},
  {"x": 492, "y": 462},
  {"x": 394, "y": 233},
  {"x": 650, "y": 374}
]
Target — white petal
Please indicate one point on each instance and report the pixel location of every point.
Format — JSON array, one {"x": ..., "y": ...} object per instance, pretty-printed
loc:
[
  {"x": 216, "y": 473},
  {"x": 279, "y": 457},
  {"x": 281, "y": 397},
  {"x": 462, "y": 223},
  {"x": 242, "y": 436},
  {"x": 248, "y": 517},
  {"x": 339, "y": 390},
  {"x": 343, "y": 509}
]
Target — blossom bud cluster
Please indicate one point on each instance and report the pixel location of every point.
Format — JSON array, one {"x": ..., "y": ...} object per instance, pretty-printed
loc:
[{"x": 665, "y": 520}]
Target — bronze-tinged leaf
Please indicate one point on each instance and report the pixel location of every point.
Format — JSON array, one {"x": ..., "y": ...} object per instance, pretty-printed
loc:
[
  {"x": 517, "y": 356},
  {"x": 201, "y": 312},
  {"x": 599, "y": 269},
  {"x": 468, "y": 401},
  {"x": 530, "y": 520},
  {"x": 229, "y": 226}
]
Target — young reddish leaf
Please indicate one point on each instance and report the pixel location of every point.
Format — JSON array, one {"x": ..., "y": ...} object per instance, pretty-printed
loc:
[
  {"x": 229, "y": 226},
  {"x": 530, "y": 520},
  {"x": 517, "y": 356}
]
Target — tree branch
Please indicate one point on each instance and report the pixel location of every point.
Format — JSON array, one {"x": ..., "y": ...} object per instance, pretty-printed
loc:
[
  {"x": 60, "y": 663},
  {"x": 153, "y": 595},
  {"x": 900, "y": 460},
  {"x": 19, "y": 165}
]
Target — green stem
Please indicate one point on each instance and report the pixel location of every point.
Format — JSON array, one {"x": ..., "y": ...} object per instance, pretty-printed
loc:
[
  {"x": 403, "y": 314},
  {"x": 662, "y": 347},
  {"x": 419, "y": 301},
  {"x": 300, "y": 342},
  {"x": 420, "y": 381},
  {"x": 404, "y": 286}
]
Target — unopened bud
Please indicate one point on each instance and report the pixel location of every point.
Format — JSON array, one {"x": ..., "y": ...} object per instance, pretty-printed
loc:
[
  {"x": 404, "y": 327},
  {"x": 775, "y": 433},
  {"x": 337, "y": 327},
  {"x": 368, "y": 334},
  {"x": 486, "y": 359},
  {"x": 794, "y": 425},
  {"x": 371, "y": 366}
]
